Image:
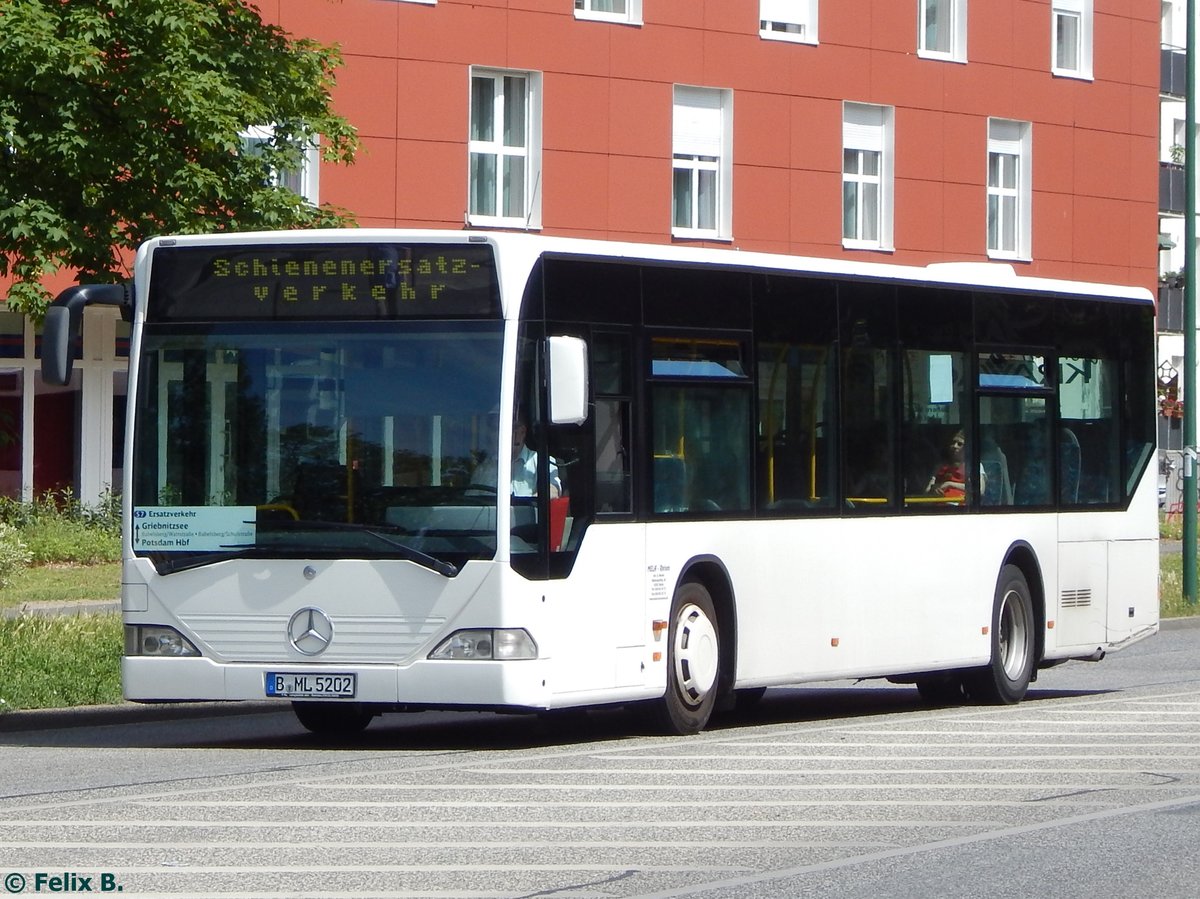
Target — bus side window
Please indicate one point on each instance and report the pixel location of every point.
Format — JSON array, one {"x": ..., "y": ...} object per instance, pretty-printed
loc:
[
  {"x": 701, "y": 456},
  {"x": 1089, "y": 459},
  {"x": 933, "y": 417},
  {"x": 868, "y": 337},
  {"x": 610, "y": 354},
  {"x": 997, "y": 485}
]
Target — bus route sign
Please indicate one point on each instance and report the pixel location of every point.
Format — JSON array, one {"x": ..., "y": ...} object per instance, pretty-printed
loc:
[
  {"x": 192, "y": 528},
  {"x": 334, "y": 281}
]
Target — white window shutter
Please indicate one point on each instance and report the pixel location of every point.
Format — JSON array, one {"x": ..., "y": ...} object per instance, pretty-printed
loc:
[
  {"x": 862, "y": 127},
  {"x": 788, "y": 11},
  {"x": 696, "y": 128}
]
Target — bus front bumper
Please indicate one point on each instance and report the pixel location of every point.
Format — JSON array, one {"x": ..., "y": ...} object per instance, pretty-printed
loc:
[{"x": 440, "y": 684}]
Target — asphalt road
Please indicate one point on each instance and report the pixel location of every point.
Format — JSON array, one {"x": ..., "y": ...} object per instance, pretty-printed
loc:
[{"x": 1090, "y": 787}]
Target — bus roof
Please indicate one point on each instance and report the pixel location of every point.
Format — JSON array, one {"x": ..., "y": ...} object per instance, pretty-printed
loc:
[{"x": 516, "y": 247}]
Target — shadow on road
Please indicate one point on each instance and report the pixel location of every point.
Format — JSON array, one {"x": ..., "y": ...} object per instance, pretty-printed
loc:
[{"x": 262, "y": 727}]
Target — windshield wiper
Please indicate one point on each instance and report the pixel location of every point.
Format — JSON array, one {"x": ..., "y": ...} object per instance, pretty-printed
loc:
[
  {"x": 173, "y": 564},
  {"x": 446, "y": 569}
]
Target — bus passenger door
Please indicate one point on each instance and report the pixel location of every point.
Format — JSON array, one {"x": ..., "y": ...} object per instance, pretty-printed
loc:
[{"x": 596, "y": 549}]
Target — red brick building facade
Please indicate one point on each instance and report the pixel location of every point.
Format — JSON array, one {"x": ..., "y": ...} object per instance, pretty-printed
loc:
[{"x": 606, "y": 92}]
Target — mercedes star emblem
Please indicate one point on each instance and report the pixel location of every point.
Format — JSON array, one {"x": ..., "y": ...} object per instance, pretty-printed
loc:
[{"x": 310, "y": 631}]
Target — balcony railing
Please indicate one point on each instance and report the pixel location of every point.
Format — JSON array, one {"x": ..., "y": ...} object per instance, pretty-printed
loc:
[
  {"x": 1173, "y": 77},
  {"x": 1172, "y": 183},
  {"x": 1170, "y": 308}
]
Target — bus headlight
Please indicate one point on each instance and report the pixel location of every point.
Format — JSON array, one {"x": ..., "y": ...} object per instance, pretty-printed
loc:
[
  {"x": 156, "y": 640},
  {"x": 487, "y": 643}
]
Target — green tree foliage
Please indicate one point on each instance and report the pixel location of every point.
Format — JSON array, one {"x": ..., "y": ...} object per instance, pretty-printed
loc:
[{"x": 122, "y": 119}]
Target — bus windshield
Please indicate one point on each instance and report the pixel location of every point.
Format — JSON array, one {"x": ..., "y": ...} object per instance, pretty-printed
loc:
[{"x": 317, "y": 440}]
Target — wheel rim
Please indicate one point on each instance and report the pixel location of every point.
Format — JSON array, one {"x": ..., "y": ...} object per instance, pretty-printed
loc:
[
  {"x": 1014, "y": 635},
  {"x": 696, "y": 654}
]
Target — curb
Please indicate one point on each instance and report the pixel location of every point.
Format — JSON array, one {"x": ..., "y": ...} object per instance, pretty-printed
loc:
[
  {"x": 1178, "y": 624},
  {"x": 129, "y": 713},
  {"x": 77, "y": 607}
]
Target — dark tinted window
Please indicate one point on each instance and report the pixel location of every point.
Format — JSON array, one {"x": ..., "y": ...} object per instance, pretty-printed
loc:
[
  {"x": 796, "y": 321},
  {"x": 696, "y": 298},
  {"x": 867, "y": 370},
  {"x": 581, "y": 290},
  {"x": 1008, "y": 319}
]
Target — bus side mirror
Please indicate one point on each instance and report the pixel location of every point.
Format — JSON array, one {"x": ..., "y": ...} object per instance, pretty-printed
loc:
[
  {"x": 56, "y": 346},
  {"x": 568, "y": 380},
  {"x": 64, "y": 319}
]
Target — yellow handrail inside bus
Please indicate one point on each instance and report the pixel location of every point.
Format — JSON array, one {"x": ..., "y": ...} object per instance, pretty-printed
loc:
[{"x": 770, "y": 423}]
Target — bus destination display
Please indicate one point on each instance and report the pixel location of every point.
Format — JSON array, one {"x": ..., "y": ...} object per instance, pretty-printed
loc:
[{"x": 323, "y": 281}]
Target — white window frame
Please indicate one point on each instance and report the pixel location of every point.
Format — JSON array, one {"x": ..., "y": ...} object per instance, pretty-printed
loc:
[
  {"x": 956, "y": 10},
  {"x": 307, "y": 180},
  {"x": 1009, "y": 148},
  {"x": 788, "y": 20},
  {"x": 501, "y": 150},
  {"x": 702, "y": 145},
  {"x": 1081, "y": 13},
  {"x": 869, "y": 129},
  {"x": 594, "y": 11}
]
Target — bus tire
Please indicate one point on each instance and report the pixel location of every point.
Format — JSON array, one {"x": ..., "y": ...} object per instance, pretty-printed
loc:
[
  {"x": 1006, "y": 678},
  {"x": 693, "y": 662},
  {"x": 331, "y": 719}
]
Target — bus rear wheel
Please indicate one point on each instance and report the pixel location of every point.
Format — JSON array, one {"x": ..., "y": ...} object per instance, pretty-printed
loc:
[
  {"x": 1006, "y": 678},
  {"x": 693, "y": 662},
  {"x": 332, "y": 719}
]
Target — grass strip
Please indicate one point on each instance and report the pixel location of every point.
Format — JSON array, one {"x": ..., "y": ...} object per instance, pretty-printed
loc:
[
  {"x": 59, "y": 661},
  {"x": 62, "y": 583}
]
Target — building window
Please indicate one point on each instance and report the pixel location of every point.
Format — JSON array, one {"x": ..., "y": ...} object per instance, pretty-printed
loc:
[
  {"x": 942, "y": 29},
  {"x": 867, "y": 150},
  {"x": 1174, "y": 24},
  {"x": 788, "y": 20},
  {"x": 1071, "y": 40},
  {"x": 1009, "y": 189},
  {"x": 303, "y": 180},
  {"x": 628, "y": 12},
  {"x": 504, "y": 149},
  {"x": 702, "y": 130}
]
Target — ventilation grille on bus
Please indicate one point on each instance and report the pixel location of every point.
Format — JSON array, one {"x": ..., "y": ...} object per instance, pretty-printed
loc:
[{"x": 1076, "y": 599}]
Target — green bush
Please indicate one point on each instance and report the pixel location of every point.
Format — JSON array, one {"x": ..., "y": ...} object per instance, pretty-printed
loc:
[{"x": 57, "y": 527}]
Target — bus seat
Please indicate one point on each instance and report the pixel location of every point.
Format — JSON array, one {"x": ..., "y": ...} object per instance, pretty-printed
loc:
[
  {"x": 998, "y": 490},
  {"x": 1032, "y": 485},
  {"x": 1068, "y": 460},
  {"x": 670, "y": 481}
]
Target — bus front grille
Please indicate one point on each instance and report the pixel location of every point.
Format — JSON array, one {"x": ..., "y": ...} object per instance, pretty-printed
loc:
[{"x": 356, "y": 638}]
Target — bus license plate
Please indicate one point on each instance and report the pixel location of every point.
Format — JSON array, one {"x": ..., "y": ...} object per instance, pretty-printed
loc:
[{"x": 290, "y": 685}]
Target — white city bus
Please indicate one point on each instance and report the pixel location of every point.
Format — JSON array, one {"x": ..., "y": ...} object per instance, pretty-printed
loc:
[{"x": 729, "y": 471}]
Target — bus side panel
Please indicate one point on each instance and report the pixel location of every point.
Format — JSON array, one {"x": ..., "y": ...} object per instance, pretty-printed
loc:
[
  {"x": 1082, "y": 594},
  {"x": 1132, "y": 589},
  {"x": 598, "y": 624},
  {"x": 836, "y": 598}
]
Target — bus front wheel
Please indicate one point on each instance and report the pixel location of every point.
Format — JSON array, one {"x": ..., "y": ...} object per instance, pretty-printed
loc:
[
  {"x": 693, "y": 661},
  {"x": 1006, "y": 679},
  {"x": 331, "y": 719}
]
